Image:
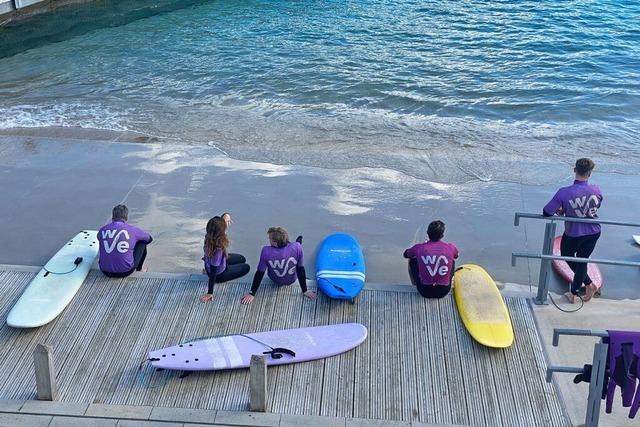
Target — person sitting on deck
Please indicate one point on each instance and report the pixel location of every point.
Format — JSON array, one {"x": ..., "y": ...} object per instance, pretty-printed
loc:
[
  {"x": 431, "y": 263},
  {"x": 284, "y": 263},
  {"x": 219, "y": 265},
  {"x": 580, "y": 200},
  {"x": 123, "y": 247}
]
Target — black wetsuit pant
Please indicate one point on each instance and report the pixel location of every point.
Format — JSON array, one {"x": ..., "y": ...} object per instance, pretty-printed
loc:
[
  {"x": 581, "y": 247},
  {"x": 236, "y": 267},
  {"x": 139, "y": 255},
  {"x": 427, "y": 291}
]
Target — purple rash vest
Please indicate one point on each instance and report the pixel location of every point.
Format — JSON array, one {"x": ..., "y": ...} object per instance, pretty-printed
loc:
[
  {"x": 580, "y": 200},
  {"x": 117, "y": 241},
  {"x": 435, "y": 260},
  {"x": 280, "y": 263},
  {"x": 217, "y": 261}
]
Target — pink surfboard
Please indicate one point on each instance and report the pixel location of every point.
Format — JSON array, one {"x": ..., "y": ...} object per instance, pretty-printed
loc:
[
  {"x": 235, "y": 351},
  {"x": 562, "y": 268}
]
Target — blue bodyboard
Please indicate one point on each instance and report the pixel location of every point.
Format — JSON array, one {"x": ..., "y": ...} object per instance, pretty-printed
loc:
[{"x": 340, "y": 269}]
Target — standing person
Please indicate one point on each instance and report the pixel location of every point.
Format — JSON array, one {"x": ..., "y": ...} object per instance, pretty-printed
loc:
[
  {"x": 123, "y": 247},
  {"x": 431, "y": 263},
  {"x": 284, "y": 263},
  {"x": 580, "y": 200},
  {"x": 218, "y": 264}
]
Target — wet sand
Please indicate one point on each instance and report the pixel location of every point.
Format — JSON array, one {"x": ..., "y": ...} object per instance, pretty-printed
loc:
[{"x": 54, "y": 185}]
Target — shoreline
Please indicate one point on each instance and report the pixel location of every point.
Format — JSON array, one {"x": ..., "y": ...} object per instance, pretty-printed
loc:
[{"x": 173, "y": 189}]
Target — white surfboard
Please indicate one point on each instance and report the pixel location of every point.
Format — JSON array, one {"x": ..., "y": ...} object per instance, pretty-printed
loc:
[
  {"x": 636, "y": 237},
  {"x": 56, "y": 284}
]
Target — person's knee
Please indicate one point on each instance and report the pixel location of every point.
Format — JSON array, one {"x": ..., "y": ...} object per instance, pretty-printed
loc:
[{"x": 245, "y": 269}]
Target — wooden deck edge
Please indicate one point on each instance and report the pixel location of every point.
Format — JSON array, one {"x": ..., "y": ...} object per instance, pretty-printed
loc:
[{"x": 510, "y": 290}]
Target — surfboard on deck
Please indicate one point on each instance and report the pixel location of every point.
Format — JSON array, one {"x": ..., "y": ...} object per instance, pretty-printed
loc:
[
  {"x": 340, "y": 268},
  {"x": 47, "y": 295},
  {"x": 563, "y": 269},
  {"x": 481, "y": 307},
  {"x": 235, "y": 351}
]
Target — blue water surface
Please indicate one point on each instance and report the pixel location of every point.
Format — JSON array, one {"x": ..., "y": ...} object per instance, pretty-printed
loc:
[{"x": 442, "y": 90}]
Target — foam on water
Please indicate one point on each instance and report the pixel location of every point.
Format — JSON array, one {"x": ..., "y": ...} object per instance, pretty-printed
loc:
[{"x": 448, "y": 92}]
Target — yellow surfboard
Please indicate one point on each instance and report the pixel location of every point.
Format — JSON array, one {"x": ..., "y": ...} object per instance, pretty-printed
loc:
[{"x": 481, "y": 307}]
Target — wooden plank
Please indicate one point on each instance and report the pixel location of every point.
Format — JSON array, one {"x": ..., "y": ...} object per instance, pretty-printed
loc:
[
  {"x": 436, "y": 362},
  {"x": 112, "y": 350},
  {"x": 407, "y": 347},
  {"x": 119, "y": 380},
  {"x": 330, "y": 380},
  {"x": 303, "y": 372},
  {"x": 362, "y": 360},
  {"x": 282, "y": 376},
  {"x": 347, "y": 370},
  {"x": 454, "y": 366},
  {"x": 427, "y": 379},
  {"x": 258, "y": 383},
  {"x": 45, "y": 373}
]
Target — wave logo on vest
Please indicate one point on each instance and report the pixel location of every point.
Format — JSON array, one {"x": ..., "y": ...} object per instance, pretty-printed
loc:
[
  {"x": 121, "y": 246},
  {"x": 437, "y": 265},
  {"x": 585, "y": 208},
  {"x": 282, "y": 267}
]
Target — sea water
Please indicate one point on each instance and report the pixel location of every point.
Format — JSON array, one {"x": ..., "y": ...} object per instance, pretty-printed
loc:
[{"x": 446, "y": 91}]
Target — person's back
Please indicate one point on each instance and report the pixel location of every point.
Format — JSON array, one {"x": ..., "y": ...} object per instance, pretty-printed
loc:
[
  {"x": 122, "y": 246},
  {"x": 281, "y": 262},
  {"x": 580, "y": 200},
  {"x": 431, "y": 263}
]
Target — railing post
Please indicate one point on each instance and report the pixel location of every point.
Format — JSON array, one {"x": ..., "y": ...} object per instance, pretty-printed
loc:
[
  {"x": 258, "y": 383},
  {"x": 45, "y": 373},
  {"x": 545, "y": 264},
  {"x": 596, "y": 385}
]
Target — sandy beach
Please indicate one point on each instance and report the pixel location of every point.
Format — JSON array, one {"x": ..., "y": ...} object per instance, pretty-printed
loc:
[{"x": 58, "y": 181}]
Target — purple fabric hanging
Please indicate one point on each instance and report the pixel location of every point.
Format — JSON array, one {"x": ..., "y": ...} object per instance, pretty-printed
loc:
[{"x": 624, "y": 352}]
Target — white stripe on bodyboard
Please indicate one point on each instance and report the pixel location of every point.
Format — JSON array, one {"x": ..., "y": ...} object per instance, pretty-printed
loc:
[
  {"x": 231, "y": 349},
  {"x": 213, "y": 347}
]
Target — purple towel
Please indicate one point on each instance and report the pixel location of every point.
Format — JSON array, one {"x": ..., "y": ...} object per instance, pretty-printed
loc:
[{"x": 624, "y": 351}]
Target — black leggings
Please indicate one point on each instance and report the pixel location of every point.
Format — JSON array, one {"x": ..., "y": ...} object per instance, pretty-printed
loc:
[
  {"x": 427, "y": 291},
  {"x": 139, "y": 255},
  {"x": 581, "y": 247},
  {"x": 236, "y": 267}
]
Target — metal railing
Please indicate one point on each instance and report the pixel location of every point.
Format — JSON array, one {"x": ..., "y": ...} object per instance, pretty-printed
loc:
[
  {"x": 598, "y": 369},
  {"x": 547, "y": 249}
]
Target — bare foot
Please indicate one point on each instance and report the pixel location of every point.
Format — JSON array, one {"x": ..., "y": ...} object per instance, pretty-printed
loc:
[
  {"x": 590, "y": 291},
  {"x": 144, "y": 268},
  {"x": 571, "y": 297}
]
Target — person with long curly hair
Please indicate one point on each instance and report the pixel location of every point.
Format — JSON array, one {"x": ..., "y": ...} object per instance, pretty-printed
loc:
[{"x": 219, "y": 265}]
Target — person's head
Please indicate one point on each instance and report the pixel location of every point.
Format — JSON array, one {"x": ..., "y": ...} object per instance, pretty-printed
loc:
[
  {"x": 120, "y": 213},
  {"x": 278, "y": 237},
  {"x": 216, "y": 237},
  {"x": 435, "y": 230},
  {"x": 583, "y": 168}
]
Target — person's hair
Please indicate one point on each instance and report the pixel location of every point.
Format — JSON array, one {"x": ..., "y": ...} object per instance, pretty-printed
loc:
[
  {"x": 584, "y": 166},
  {"x": 120, "y": 212},
  {"x": 279, "y": 236},
  {"x": 435, "y": 230},
  {"x": 216, "y": 237}
]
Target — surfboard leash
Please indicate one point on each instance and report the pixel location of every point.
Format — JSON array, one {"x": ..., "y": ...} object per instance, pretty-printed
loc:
[
  {"x": 275, "y": 353},
  {"x": 567, "y": 311},
  {"x": 147, "y": 384}
]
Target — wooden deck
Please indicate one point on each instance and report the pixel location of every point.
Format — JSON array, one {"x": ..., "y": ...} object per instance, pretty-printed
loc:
[{"x": 417, "y": 364}]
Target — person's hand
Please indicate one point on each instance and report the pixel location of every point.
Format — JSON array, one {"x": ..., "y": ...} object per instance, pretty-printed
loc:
[
  {"x": 206, "y": 297},
  {"x": 227, "y": 219},
  {"x": 247, "y": 299},
  {"x": 310, "y": 295}
]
